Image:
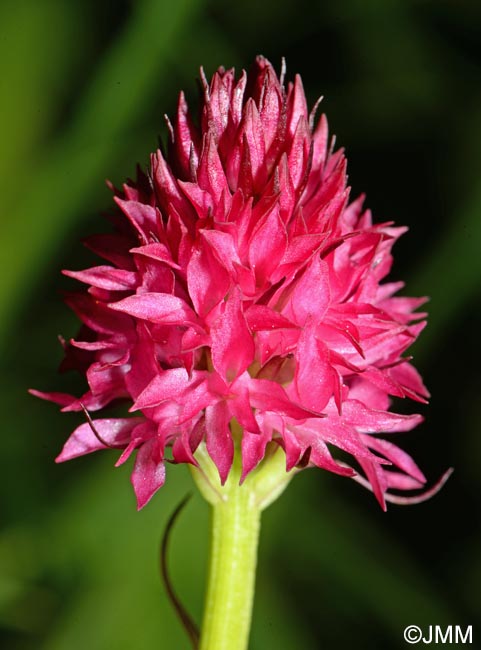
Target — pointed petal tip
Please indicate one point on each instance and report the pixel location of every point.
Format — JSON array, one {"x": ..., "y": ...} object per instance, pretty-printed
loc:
[
  {"x": 62, "y": 399},
  {"x": 148, "y": 474},
  {"x": 424, "y": 496}
]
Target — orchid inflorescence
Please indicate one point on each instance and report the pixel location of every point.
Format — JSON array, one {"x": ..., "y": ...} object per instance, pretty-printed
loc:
[{"x": 242, "y": 304}]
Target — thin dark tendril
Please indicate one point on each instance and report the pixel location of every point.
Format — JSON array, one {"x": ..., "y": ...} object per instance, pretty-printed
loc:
[
  {"x": 189, "y": 625},
  {"x": 96, "y": 433}
]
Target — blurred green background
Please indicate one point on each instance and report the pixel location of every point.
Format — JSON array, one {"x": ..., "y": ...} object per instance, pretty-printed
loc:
[{"x": 84, "y": 86}]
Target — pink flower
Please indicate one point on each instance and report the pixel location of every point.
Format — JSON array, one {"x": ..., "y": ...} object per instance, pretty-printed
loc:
[{"x": 241, "y": 283}]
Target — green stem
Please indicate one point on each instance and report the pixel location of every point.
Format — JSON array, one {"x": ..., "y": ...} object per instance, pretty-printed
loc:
[
  {"x": 233, "y": 559},
  {"x": 236, "y": 512}
]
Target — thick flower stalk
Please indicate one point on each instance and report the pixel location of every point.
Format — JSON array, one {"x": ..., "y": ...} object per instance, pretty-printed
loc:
[{"x": 242, "y": 302}]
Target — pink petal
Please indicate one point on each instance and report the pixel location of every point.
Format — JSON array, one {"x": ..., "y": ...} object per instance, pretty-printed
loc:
[
  {"x": 269, "y": 396},
  {"x": 207, "y": 280},
  {"x": 407, "y": 375},
  {"x": 293, "y": 447},
  {"x": 311, "y": 295},
  {"x": 186, "y": 141},
  {"x": 398, "y": 481},
  {"x": 377, "y": 481},
  {"x": 334, "y": 432},
  {"x": 187, "y": 442},
  {"x": 254, "y": 139},
  {"x": 232, "y": 343},
  {"x": 115, "y": 431},
  {"x": 105, "y": 277},
  {"x": 63, "y": 399},
  {"x": 219, "y": 443},
  {"x": 167, "y": 188},
  {"x": 142, "y": 217},
  {"x": 270, "y": 108},
  {"x": 253, "y": 450},
  {"x": 240, "y": 406},
  {"x": 149, "y": 472},
  {"x": 321, "y": 456},
  {"x": 397, "y": 456},
  {"x": 94, "y": 346},
  {"x": 127, "y": 452},
  {"x": 296, "y": 104},
  {"x": 224, "y": 247},
  {"x": 168, "y": 385},
  {"x": 299, "y": 153},
  {"x": 140, "y": 434},
  {"x": 268, "y": 245},
  {"x": 156, "y": 251},
  {"x": 210, "y": 173},
  {"x": 260, "y": 317},
  {"x": 367, "y": 420},
  {"x": 315, "y": 378},
  {"x": 157, "y": 308}
]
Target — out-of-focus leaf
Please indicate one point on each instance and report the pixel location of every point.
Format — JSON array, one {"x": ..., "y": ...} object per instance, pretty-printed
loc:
[
  {"x": 32, "y": 70},
  {"x": 451, "y": 273},
  {"x": 108, "y": 554},
  {"x": 59, "y": 188}
]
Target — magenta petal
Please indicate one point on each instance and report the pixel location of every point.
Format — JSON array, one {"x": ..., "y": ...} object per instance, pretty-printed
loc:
[
  {"x": 63, "y": 399},
  {"x": 210, "y": 173},
  {"x": 253, "y": 450},
  {"x": 268, "y": 245},
  {"x": 142, "y": 217},
  {"x": 207, "y": 279},
  {"x": 269, "y": 396},
  {"x": 168, "y": 385},
  {"x": 254, "y": 138},
  {"x": 397, "y": 456},
  {"x": 232, "y": 344},
  {"x": 293, "y": 447},
  {"x": 149, "y": 472},
  {"x": 156, "y": 251},
  {"x": 156, "y": 307},
  {"x": 219, "y": 443},
  {"x": 186, "y": 443},
  {"x": 105, "y": 277},
  {"x": 93, "y": 346},
  {"x": 260, "y": 317},
  {"x": 398, "y": 481},
  {"x": 240, "y": 407},
  {"x": 311, "y": 294},
  {"x": 115, "y": 431},
  {"x": 142, "y": 432},
  {"x": 186, "y": 137},
  {"x": 224, "y": 247},
  {"x": 175, "y": 387},
  {"x": 321, "y": 456},
  {"x": 366, "y": 420},
  {"x": 296, "y": 104},
  {"x": 410, "y": 379},
  {"x": 316, "y": 380},
  {"x": 375, "y": 476},
  {"x": 334, "y": 431},
  {"x": 127, "y": 452}
]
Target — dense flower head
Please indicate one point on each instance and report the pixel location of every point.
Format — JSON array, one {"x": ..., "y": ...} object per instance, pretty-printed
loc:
[{"x": 242, "y": 300}]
